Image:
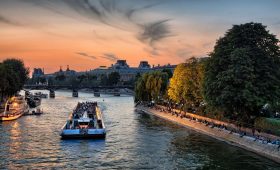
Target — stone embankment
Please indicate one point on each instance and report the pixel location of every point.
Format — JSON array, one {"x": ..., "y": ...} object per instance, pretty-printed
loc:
[{"x": 206, "y": 126}]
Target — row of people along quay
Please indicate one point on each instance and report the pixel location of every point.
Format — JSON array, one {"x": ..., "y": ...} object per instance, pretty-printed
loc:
[{"x": 105, "y": 84}]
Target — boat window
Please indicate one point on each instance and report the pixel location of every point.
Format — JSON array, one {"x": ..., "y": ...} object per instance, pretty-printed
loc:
[{"x": 83, "y": 123}]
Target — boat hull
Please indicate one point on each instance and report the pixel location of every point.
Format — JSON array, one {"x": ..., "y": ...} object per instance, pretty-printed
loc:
[
  {"x": 83, "y": 133},
  {"x": 88, "y": 136},
  {"x": 10, "y": 118}
]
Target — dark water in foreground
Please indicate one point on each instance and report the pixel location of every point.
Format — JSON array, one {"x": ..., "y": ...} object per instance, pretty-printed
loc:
[{"x": 134, "y": 141}]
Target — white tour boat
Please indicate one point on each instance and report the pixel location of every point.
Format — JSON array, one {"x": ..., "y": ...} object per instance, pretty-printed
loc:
[{"x": 85, "y": 122}]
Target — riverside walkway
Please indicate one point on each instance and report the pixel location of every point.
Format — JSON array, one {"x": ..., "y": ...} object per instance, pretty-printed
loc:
[{"x": 252, "y": 144}]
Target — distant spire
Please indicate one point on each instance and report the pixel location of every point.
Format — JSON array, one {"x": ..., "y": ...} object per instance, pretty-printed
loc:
[
  {"x": 68, "y": 68},
  {"x": 60, "y": 69}
]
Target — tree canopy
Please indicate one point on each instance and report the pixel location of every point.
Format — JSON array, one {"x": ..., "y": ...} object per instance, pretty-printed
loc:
[
  {"x": 150, "y": 86},
  {"x": 242, "y": 74},
  {"x": 113, "y": 78},
  {"x": 186, "y": 84},
  {"x": 13, "y": 76}
]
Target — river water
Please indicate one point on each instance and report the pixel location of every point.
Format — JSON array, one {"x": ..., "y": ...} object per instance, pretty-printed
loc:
[{"x": 133, "y": 141}]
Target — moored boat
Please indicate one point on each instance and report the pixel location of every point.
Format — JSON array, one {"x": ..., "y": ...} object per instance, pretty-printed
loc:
[
  {"x": 52, "y": 94},
  {"x": 116, "y": 92},
  {"x": 37, "y": 111},
  {"x": 86, "y": 121},
  {"x": 41, "y": 95},
  {"x": 15, "y": 107},
  {"x": 96, "y": 94},
  {"x": 33, "y": 101},
  {"x": 75, "y": 93}
]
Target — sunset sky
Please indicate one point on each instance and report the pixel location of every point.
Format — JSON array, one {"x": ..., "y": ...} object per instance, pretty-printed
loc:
[{"x": 88, "y": 33}]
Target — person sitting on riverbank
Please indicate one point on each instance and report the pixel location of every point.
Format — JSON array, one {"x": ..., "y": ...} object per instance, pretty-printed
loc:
[
  {"x": 242, "y": 134},
  {"x": 256, "y": 138}
]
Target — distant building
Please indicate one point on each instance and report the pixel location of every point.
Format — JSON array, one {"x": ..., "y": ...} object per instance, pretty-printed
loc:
[
  {"x": 144, "y": 65},
  {"x": 126, "y": 72},
  {"x": 168, "y": 66},
  {"x": 37, "y": 72},
  {"x": 121, "y": 64},
  {"x": 66, "y": 73}
]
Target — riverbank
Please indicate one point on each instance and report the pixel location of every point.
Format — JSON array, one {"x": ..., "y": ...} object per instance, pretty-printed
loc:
[{"x": 260, "y": 147}]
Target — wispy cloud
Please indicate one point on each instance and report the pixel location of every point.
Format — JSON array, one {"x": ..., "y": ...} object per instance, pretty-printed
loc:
[
  {"x": 152, "y": 33},
  {"x": 110, "y": 56},
  {"x": 110, "y": 12},
  {"x": 7, "y": 21},
  {"x": 83, "y": 54},
  {"x": 130, "y": 12},
  {"x": 153, "y": 51},
  {"x": 155, "y": 31},
  {"x": 116, "y": 14}
]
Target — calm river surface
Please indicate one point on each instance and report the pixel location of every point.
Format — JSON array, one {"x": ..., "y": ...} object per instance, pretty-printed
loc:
[{"x": 133, "y": 141}]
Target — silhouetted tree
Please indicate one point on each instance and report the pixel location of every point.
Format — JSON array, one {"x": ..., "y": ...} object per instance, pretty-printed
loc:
[
  {"x": 113, "y": 78},
  {"x": 13, "y": 76}
]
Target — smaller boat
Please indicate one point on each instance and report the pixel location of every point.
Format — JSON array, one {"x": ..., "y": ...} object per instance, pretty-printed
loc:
[
  {"x": 52, "y": 94},
  {"x": 116, "y": 93},
  {"x": 27, "y": 94},
  {"x": 36, "y": 111},
  {"x": 15, "y": 107},
  {"x": 96, "y": 94},
  {"x": 75, "y": 93},
  {"x": 41, "y": 95},
  {"x": 33, "y": 101},
  {"x": 85, "y": 122}
]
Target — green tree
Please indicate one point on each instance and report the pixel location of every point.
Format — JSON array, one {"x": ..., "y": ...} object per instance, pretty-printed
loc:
[
  {"x": 13, "y": 76},
  {"x": 243, "y": 72},
  {"x": 60, "y": 77},
  {"x": 151, "y": 86},
  {"x": 82, "y": 77},
  {"x": 103, "y": 80},
  {"x": 42, "y": 80},
  {"x": 17, "y": 66},
  {"x": 168, "y": 71},
  {"x": 50, "y": 81},
  {"x": 113, "y": 78},
  {"x": 141, "y": 93},
  {"x": 186, "y": 84},
  {"x": 75, "y": 82}
]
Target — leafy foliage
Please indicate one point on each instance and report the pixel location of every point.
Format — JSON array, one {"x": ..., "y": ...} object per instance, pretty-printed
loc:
[
  {"x": 17, "y": 66},
  {"x": 150, "y": 86},
  {"x": 60, "y": 77},
  {"x": 113, "y": 78},
  {"x": 13, "y": 75},
  {"x": 270, "y": 125},
  {"x": 186, "y": 83},
  {"x": 243, "y": 72}
]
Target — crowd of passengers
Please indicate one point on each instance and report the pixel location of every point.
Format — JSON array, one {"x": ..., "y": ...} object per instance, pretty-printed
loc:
[{"x": 89, "y": 107}]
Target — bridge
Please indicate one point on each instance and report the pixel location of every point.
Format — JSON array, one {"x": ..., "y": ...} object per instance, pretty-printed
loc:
[{"x": 57, "y": 87}]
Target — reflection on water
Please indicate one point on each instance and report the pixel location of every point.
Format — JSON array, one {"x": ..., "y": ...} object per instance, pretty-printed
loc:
[{"x": 133, "y": 141}]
